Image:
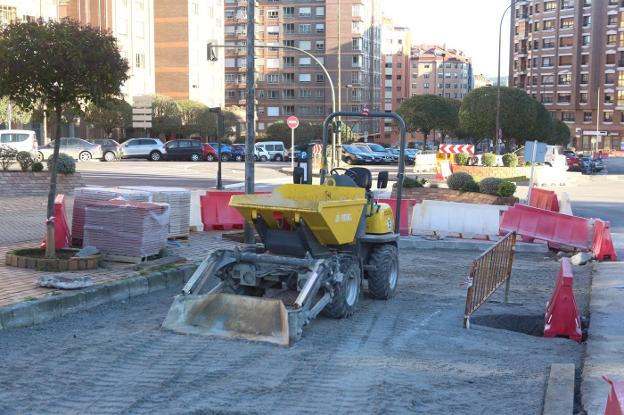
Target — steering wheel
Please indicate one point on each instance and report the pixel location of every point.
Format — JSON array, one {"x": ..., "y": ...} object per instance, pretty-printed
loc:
[{"x": 346, "y": 172}]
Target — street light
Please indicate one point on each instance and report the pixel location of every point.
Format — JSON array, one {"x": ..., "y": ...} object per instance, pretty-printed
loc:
[
  {"x": 443, "y": 76},
  {"x": 500, "y": 34}
]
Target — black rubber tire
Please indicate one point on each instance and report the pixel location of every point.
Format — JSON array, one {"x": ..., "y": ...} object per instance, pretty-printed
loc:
[
  {"x": 278, "y": 158},
  {"x": 263, "y": 158},
  {"x": 238, "y": 158},
  {"x": 155, "y": 156},
  {"x": 385, "y": 259},
  {"x": 349, "y": 161},
  {"x": 210, "y": 157},
  {"x": 343, "y": 304},
  {"x": 84, "y": 156},
  {"x": 109, "y": 156},
  {"x": 225, "y": 157},
  {"x": 195, "y": 157}
]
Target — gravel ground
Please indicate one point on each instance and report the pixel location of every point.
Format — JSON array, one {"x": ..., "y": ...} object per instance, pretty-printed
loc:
[{"x": 407, "y": 355}]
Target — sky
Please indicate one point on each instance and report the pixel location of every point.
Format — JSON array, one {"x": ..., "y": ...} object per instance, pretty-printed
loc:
[{"x": 468, "y": 25}]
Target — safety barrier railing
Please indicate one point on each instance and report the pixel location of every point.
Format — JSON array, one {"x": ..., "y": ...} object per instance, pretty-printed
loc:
[{"x": 488, "y": 272}]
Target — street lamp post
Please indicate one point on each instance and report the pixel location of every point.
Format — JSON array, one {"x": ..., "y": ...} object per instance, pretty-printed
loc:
[
  {"x": 500, "y": 35},
  {"x": 220, "y": 132},
  {"x": 443, "y": 76}
]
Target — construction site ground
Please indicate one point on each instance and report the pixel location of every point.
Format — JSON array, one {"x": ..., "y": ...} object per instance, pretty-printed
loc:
[{"x": 407, "y": 355}]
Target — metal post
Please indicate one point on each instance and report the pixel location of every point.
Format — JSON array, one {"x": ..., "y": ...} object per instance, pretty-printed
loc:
[
  {"x": 532, "y": 169},
  {"x": 292, "y": 150},
  {"x": 498, "y": 135},
  {"x": 443, "y": 76},
  {"x": 336, "y": 157},
  {"x": 250, "y": 140}
]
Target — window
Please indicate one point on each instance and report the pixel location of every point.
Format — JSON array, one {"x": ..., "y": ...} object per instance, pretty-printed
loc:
[
  {"x": 289, "y": 94},
  {"x": 288, "y": 61},
  {"x": 320, "y": 77},
  {"x": 305, "y": 44},
  {"x": 320, "y": 11},
  {"x": 586, "y": 21},
  {"x": 230, "y": 78},
  {"x": 139, "y": 60},
  {"x": 289, "y": 110},
  {"x": 273, "y": 14},
  {"x": 305, "y": 77},
  {"x": 609, "y": 98},
  {"x": 548, "y": 43},
  {"x": 319, "y": 45},
  {"x": 289, "y": 11},
  {"x": 305, "y": 11},
  {"x": 547, "y": 62},
  {"x": 566, "y": 41},
  {"x": 610, "y": 59},
  {"x": 273, "y": 30},
  {"x": 426, "y": 85},
  {"x": 611, "y": 39},
  {"x": 289, "y": 43},
  {"x": 356, "y": 10},
  {"x": 583, "y": 97},
  {"x": 585, "y": 59},
  {"x": 620, "y": 98},
  {"x": 607, "y": 116},
  {"x": 586, "y": 40},
  {"x": 274, "y": 94},
  {"x": 584, "y": 78},
  {"x": 273, "y": 78},
  {"x": 288, "y": 77},
  {"x": 305, "y": 61},
  {"x": 565, "y": 79},
  {"x": 289, "y": 28},
  {"x": 587, "y": 116},
  {"x": 356, "y": 61},
  {"x": 564, "y": 98},
  {"x": 320, "y": 28},
  {"x": 305, "y": 93},
  {"x": 273, "y": 111},
  {"x": 609, "y": 78},
  {"x": 305, "y": 28},
  {"x": 549, "y": 25},
  {"x": 568, "y": 116},
  {"x": 567, "y": 4},
  {"x": 550, "y": 6},
  {"x": 356, "y": 27},
  {"x": 566, "y": 23},
  {"x": 272, "y": 63},
  {"x": 587, "y": 3},
  {"x": 356, "y": 43},
  {"x": 612, "y": 19},
  {"x": 565, "y": 60},
  {"x": 548, "y": 79}
]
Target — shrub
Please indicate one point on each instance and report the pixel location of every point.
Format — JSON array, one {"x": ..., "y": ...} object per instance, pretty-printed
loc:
[
  {"x": 462, "y": 159},
  {"x": 490, "y": 185},
  {"x": 434, "y": 186},
  {"x": 510, "y": 160},
  {"x": 470, "y": 187},
  {"x": 7, "y": 157},
  {"x": 25, "y": 160},
  {"x": 458, "y": 181},
  {"x": 410, "y": 182},
  {"x": 489, "y": 159},
  {"x": 65, "y": 165},
  {"x": 528, "y": 163},
  {"x": 37, "y": 166},
  {"x": 506, "y": 188}
]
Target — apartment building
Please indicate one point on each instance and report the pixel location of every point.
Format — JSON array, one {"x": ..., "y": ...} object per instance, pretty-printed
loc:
[
  {"x": 480, "y": 80},
  {"x": 289, "y": 82},
  {"x": 27, "y": 10},
  {"x": 182, "y": 31},
  {"x": 437, "y": 70},
  {"x": 570, "y": 56},
  {"x": 395, "y": 50},
  {"x": 132, "y": 24}
]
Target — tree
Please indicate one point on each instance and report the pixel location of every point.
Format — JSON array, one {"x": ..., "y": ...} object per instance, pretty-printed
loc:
[
  {"x": 58, "y": 64},
  {"x": 191, "y": 117},
  {"x": 426, "y": 113},
  {"x": 109, "y": 115},
  {"x": 19, "y": 115},
  {"x": 560, "y": 133},
  {"x": 166, "y": 116},
  {"x": 305, "y": 133}
]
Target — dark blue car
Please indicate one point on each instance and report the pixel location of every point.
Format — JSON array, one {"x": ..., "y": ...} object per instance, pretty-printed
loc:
[{"x": 226, "y": 151}]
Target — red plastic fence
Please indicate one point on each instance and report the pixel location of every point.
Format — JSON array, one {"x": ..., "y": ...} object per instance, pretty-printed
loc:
[
  {"x": 615, "y": 401},
  {"x": 544, "y": 199},
  {"x": 602, "y": 245},
  {"x": 562, "y": 317},
  {"x": 62, "y": 234},
  {"x": 407, "y": 205},
  {"x": 216, "y": 212},
  {"x": 555, "y": 228}
]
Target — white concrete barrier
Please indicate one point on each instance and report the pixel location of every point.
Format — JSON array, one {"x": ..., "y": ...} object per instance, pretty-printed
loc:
[
  {"x": 425, "y": 162},
  {"x": 550, "y": 176},
  {"x": 195, "y": 218},
  {"x": 466, "y": 219},
  {"x": 565, "y": 204}
]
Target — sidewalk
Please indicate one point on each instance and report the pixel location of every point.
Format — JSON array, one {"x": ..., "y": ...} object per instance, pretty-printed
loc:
[{"x": 605, "y": 342}]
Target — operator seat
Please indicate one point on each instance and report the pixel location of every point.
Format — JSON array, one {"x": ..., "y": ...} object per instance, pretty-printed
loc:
[{"x": 361, "y": 176}]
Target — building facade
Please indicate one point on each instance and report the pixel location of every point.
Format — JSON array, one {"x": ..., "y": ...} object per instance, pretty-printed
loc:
[
  {"x": 395, "y": 50},
  {"x": 132, "y": 24},
  {"x": 182, "y": 31},
  {"x": 27, "y": 10},
  {"x": 342, "y": 34},
  {"x": 437, "y": 70},
  {"x": 480, "y": 80},
  {"x": 570, "y": 56}
]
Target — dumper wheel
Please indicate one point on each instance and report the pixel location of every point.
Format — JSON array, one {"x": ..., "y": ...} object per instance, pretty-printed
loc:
[
  {"x": 347, "y": 292},
  {"x": 382, "y": 280}
]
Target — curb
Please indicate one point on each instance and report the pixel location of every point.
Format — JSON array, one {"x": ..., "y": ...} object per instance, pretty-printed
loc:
[
  {"x": 29, "y": 313},
  {"x": 415, "y": 242}
]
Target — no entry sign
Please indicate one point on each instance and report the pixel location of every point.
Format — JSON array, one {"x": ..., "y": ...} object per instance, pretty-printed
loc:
[{"x": 292, "y": 122}]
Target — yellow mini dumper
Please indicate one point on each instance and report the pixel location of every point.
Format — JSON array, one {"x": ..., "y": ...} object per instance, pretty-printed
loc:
[{"x": 319, "y": 243}]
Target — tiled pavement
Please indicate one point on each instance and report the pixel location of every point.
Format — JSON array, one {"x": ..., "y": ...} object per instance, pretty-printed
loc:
[{"x": 21, "y": 226}]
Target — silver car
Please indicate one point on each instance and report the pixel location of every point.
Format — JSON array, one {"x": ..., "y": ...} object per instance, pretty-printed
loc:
[
  {"x": 145, "y": 148},
  {"x": 75, "y": 147}
]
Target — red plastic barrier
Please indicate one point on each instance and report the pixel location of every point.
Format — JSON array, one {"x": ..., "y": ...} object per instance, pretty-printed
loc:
[
  {"x": 544, "y": 199},
  {"x": 562, "y": 317},
  {"x": 602, "y": 245},
  {"x": 556, "y": 228},
  {"x": 407, "y": 205},
  {"x": 615, "y": 401},
  {"x": 216, "y": 212},
  {"x": 62, "y": 234}
]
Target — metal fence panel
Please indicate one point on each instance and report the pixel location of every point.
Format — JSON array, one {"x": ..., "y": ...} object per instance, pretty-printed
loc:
[{"x": 488, "y": 272}]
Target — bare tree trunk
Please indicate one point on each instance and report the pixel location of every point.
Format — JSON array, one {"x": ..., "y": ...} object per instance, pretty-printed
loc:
[
  {"x": 425, "y": 142},
  {"x": 50, "y": 243}
]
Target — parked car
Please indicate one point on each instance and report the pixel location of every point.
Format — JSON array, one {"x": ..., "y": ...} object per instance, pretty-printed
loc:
[
  {"x": 300, "y": 153},
  {"x": 380, "y": 152},
  {"x": 110, "y": 148},
  {"x": 573, "y": 161},
  {"x": 356, "y": 155},
  {"x": 75, "y": 147},
  {"x": 260, "y": 153},
  {"x": 238, "y": 152},
  {"x": 276, "y": 149},
  {"x": 20, "y": 140},
  {"x": 591, "y": 165},
  {"x": 146, "y": 148},
  {"x": 210, "y": 154},
  {"x": 226, "y": 151},
  {"x": 410, "y": 154},
  {"x": 184, "y": 149}
]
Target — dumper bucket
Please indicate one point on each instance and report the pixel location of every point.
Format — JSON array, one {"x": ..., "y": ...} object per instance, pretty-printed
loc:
[{"x": 229, "y": 315}]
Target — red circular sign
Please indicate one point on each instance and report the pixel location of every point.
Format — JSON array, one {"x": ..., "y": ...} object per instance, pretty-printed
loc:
[{"x": 292, "y": 122}]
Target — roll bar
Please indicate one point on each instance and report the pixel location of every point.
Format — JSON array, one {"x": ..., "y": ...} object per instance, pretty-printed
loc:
[{"x": 401, "y": 175}]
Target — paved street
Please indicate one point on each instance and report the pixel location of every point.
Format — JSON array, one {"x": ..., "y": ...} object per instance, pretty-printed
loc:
[{"x": 406, "y": 355}]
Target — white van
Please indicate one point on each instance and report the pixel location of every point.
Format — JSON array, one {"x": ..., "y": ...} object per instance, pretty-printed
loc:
[
  {"x": 260, "y": 154},
  {"x": 275, "y": 149},
  {"x": 20, "y": 140}
]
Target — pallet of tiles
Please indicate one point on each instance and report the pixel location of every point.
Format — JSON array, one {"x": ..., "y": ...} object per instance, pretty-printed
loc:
[
  {"x": 179, "y": 201},
  {"x": 126, "y": 231},
  {"x": 84, "y": 195}
]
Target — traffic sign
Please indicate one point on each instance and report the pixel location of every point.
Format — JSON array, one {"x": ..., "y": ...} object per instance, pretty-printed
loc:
[
  {"x": 365, "y": 111},
  {"x": 292, "y": 122},
  {"x": 598, "y": 133},
  {"x": 535, "y": 152}
]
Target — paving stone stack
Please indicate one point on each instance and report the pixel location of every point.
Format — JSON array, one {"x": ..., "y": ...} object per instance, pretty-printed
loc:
[
  {"x": 84, "y": 195},
  {"x": 179, "y": 201},
  {"x": 126, "y": 229}
]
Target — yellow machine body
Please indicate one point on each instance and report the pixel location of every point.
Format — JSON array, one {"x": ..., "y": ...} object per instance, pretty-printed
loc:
[{"x": 380, "y": 219}]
